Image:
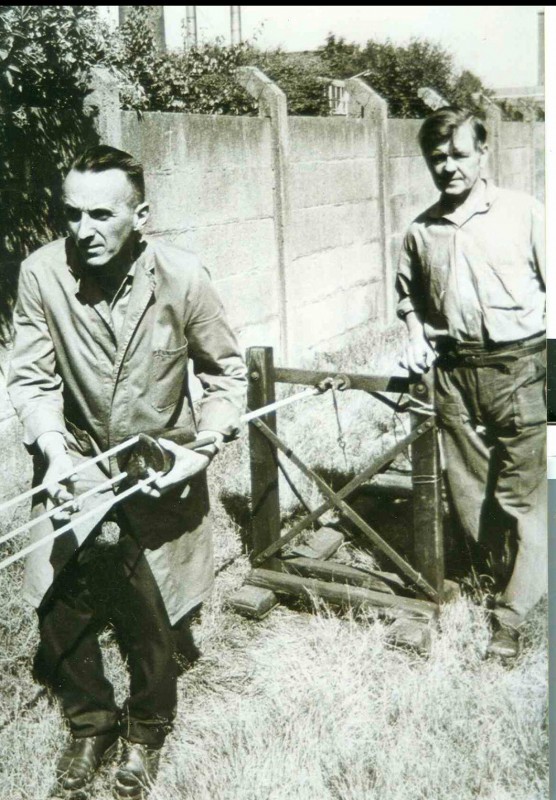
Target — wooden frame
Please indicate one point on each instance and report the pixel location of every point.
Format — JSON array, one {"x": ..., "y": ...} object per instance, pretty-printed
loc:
[{"x": 426, "y": 574}]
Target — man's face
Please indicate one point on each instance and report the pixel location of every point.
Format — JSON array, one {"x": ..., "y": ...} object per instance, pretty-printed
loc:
[
  {"x": 102, "y": 213},
  {"x": 455, "y": 164}
]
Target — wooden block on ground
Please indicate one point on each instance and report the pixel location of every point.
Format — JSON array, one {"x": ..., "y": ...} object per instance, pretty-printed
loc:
[
  {"x": 413, "y": 634},
  {"x": 321, "y": 544},
  {"x": 253, "y": 601}
]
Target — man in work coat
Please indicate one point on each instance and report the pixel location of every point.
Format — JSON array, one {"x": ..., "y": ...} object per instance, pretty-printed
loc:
[
  {"x": 471, "y": 286},
  {"x": 105, "y": 323}
]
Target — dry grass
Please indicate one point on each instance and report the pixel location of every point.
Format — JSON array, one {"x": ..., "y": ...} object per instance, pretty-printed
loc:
[{"x": 310, "y": 706}]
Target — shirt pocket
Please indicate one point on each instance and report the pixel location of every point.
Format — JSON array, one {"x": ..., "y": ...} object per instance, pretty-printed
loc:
[
  {"x": 168, "y": 371},
  {"x": 506, "y": 285}
]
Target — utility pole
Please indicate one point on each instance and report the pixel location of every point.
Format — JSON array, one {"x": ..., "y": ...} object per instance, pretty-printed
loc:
[
  {"x": 190, "y": 27},
  {"x": 156, "y": 22},
  {"x": 235, "y": 24}
]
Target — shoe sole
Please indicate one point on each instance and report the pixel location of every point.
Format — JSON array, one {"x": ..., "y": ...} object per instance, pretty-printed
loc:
[{"x": 121, "y": 792}]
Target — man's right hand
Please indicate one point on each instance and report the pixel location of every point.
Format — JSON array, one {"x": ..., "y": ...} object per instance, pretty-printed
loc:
[
  {"x": 59, "y": 481},
  {"x": 418, "y": 355}
]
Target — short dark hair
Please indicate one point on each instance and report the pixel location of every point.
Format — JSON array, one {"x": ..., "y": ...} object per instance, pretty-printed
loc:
[
  {"x": 441, "y": 124},
  {"x": 102, "y": 157}
]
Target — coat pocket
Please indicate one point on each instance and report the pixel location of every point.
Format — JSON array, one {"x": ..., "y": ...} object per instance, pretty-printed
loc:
[{"x": 168, "y": 374}]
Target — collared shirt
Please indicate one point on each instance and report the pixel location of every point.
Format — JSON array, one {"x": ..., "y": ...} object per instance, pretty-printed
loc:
[
  {"x": 111, "y": 307},
  {"x": 476, "y": 274}
]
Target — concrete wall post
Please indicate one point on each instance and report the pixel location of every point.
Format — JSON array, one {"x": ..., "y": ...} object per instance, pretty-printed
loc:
[
  {"x": 494, "y": 127},
  {"x": 273, "y": 104},
  {"x": 365, "y": 102},
  {"x": 103, "y": 102},
  {"x": 529, "y": 120}
]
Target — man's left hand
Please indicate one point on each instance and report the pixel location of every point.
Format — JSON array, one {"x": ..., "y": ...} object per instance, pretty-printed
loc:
[{"x": 187, "y": 464}]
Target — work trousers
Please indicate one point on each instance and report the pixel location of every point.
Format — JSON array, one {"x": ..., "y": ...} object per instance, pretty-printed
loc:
[
  {"x": 492, "y": 410},
  {"x": 113, "y": 584}
]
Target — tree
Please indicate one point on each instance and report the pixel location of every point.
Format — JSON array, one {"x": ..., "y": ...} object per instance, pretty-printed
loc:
[
  {"x": 397, "y": 72},
  {"x": 299, "y": 75},
  {"x": 203, "y": 80},
  {"x": 199, "y": 81},
  {"x": 46, "y": 53}
]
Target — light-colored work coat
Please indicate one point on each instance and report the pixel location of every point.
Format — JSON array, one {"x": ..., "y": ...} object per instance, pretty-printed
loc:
[{"x": 69, "y": 373}]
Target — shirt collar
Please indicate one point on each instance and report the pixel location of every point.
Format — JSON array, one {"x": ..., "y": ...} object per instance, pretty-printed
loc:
[{"x": 478, "y": 202}]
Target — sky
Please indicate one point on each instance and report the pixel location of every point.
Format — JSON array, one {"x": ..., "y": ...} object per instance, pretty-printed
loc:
[{"x": 498, "y": 43}]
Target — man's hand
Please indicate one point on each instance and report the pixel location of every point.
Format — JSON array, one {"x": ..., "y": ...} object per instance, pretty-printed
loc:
[
  {"x": 187, "y": 463},
  {"x": 418, "y": 355},
  {"x": 60, "y": 465}
]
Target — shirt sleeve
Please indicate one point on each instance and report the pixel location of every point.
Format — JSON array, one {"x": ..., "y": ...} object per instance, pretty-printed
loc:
[
  {"x": 409, "y": 279},
  {"x": 538, "y": 239},
  {"x": 217, "y": 361},
  {"x": 34, "y": 386}
]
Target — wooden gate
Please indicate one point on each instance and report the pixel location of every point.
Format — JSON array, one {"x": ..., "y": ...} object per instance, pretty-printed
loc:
[{"x": 273, "y": 574}]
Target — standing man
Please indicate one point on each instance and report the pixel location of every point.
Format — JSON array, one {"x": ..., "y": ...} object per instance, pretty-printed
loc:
[
  {"x": 105, "y": 323},
  {"x": 471, "y": 287}
]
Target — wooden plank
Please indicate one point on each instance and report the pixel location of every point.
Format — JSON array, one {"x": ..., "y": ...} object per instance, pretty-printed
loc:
[
  {"x": 427, "y": 492},
  {"x": 389, "y": 605},
  {"x": 366, "y": 383},
  {"x": 335, "y": 572},
  {"x": 390, "y": 483},
  {"x": 321, "y": 544},
  {"x": 265, "y": 501}
]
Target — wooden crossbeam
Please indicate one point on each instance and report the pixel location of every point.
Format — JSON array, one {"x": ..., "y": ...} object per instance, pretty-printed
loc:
[
  {"x": 374, "y": 467},
  {"x": 338, "y": 501},
  {"x": 366, "y": 383}
]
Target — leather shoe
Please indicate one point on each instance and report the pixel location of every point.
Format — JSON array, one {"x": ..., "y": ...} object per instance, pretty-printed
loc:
[
  {"x": 137, "y": 771},
  {"x": 80, "y": 760},
  {"x": 504, "y": 643}
]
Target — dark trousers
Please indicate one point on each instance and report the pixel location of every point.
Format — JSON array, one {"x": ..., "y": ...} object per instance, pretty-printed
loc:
[
  {"x": 491, "y": 405},
  {"x": 111, "y": 584}
]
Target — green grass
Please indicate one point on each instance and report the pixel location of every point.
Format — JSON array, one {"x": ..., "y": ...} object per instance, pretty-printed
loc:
[{"x": 311, "y": 704}]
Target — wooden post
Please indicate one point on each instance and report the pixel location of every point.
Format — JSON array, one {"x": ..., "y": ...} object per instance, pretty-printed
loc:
[
  {"x": 265, "y": 503},
  {"x": 427, "y": 491}
]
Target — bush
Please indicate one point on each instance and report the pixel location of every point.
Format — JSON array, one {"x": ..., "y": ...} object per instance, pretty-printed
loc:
[
  {"x": 46, "y": 54},
  {"x": 397, "y": 72},
  {"x": 199, "y": 81}
]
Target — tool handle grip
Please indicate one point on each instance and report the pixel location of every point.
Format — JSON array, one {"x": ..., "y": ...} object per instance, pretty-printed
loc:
[{"x": 148, "y": 453}]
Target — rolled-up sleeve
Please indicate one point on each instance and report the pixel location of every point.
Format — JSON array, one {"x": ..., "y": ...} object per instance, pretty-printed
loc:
[
  {"x": 217, "y": 361},
  {"x": 34, "y": 386},
  {"x": 408, "y": 279}
]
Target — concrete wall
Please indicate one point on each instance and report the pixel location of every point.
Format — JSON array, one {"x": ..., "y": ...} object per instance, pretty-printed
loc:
[
  {"x": 210, "y": 182},
  {"x": 410, "y": 186},
  {"x": 539, "y": 162},
  {"x": 333, "y": 276},
  {"x": 515, "y": 156}
]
